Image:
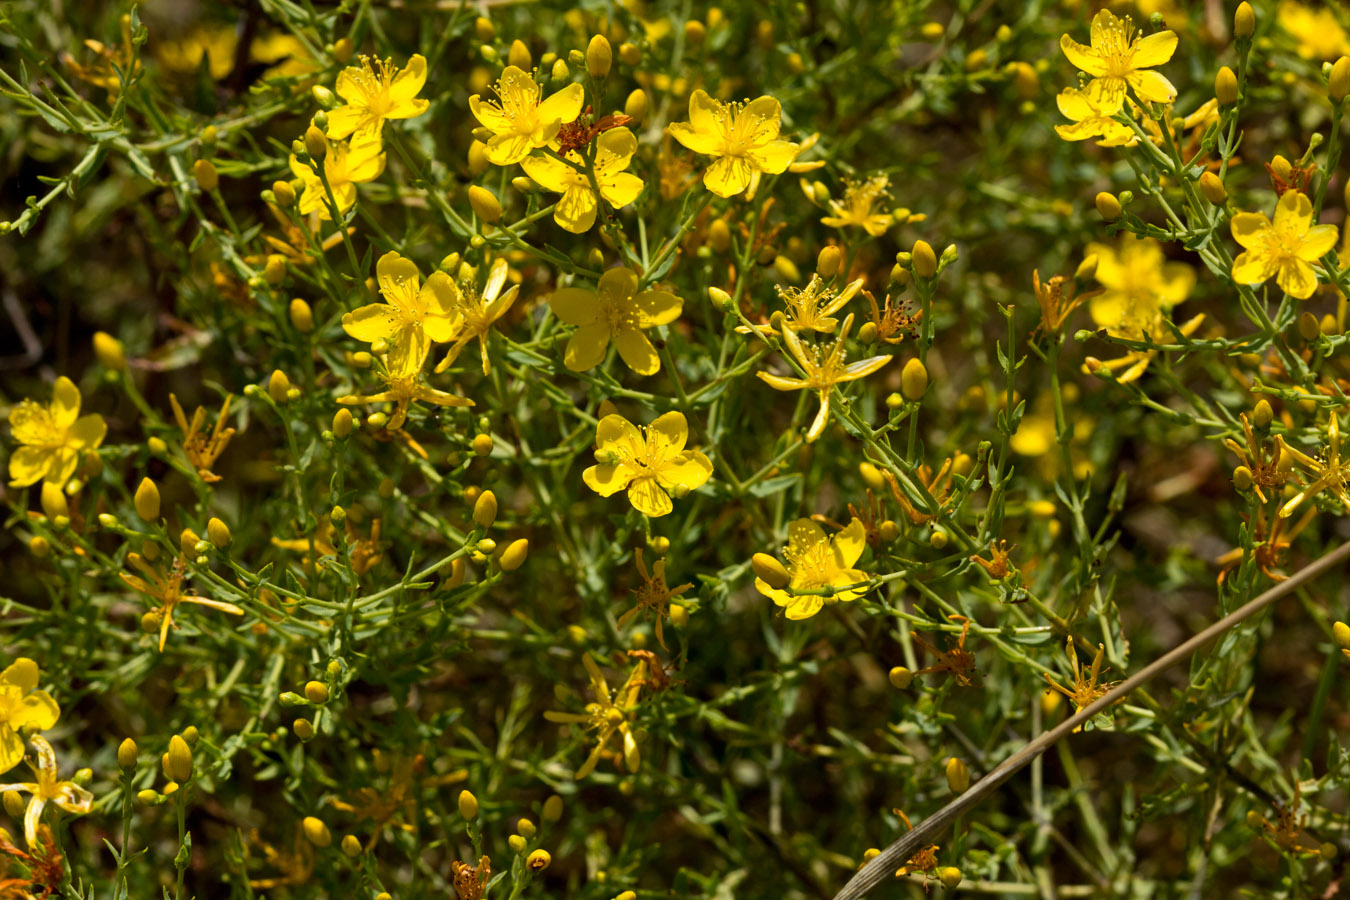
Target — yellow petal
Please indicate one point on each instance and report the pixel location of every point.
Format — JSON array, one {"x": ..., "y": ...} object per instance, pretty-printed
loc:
[
  {"x": 617, "y": 285},
  {"x": 586, "y": 347},
  {"x": 549, "y": 173},
  {"x": 65, "y": 407},
  {"x": 37, "y": 710},
  {"x": 11, "y": 749},
  {"x": 728, "y": 176},
  {"x": 1296, "y": 278},
  {"x": 87, "y": 432},
  {"x": 1250, "y": 229},
  {"x": 564, "y": 106},
  {"x": 706, "y": 115},
  {"x": 489, "y": 115},
  {"x": 705, "y": 142},
  {"x": 22, "y": 673},
  {"x": 848, "y": 545},
  {"x": 344, "y": 121},
  {"x": 441, "y": 295},
  {"x": 1152, "y": 86},
  {"x": 774, "y": 157},
  {"x": 616, "y": 433},
  {"x": 648, "y": 498},
  {"x": 574, "y": 306},
  {"x": 508, "y": 149},
  {"x": 1251, "y": 268},
  {"x": 637, "y": 351},
  {"x": 765, "y": 115},
  {"x": 690, "y": 469},
  {"x": 1154, "y": 50},
  {"x": 1085, "y": 58},
  {"x": 667, "y": 435},
  {"x": 371, "y": 322},
  {"x": 614, "y": 150},
  {"x": 1318, "y": 242},
  {"x": 657, "y": 308},
  {"x": 29, "y": 465},
  {"x": 804, "y": 607},
  {"x": 621, "y": 189},
  {"x": 575, "y": 210},
  {"x": 406, "y": 85}
]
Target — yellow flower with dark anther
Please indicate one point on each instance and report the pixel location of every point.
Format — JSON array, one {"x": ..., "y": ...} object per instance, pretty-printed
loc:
[
  {"x": 609, "y": 714},
  {"x": 1118, "y": 59},
  {"x": 476, "y": 312},
  {"x": 345, "y": 164},
  {"x": 575, "y": 210},
  {"x": 375, "y": 91},
  {"x": 167, "y": 588},
  {"x": 743, "y": 137},
  {"x": 809, "y": 308},
  {"x": 858, "y": 208},
  {"x": 652, "y": 464},
  {"x": 614, "y": 311},
  {"x": 520, "y": 120},
  {"x": 402, "y": 389},
  {"x": 1086, "y": 688},
  {"x": 1091, "y": 117},
  {"x": 1285, "y": 248},
  {"x": 49, "y": 788},
  {"x": 203, "y": 451},
  {"x": 1138, "y": 283},
  {"x": 414, "y": 313},
  {"x": 22, "y": 706},
  {"x": 54, "y": 437},
  {"x": 824, "y": 367},
  {"x": 816, "y": 562}
]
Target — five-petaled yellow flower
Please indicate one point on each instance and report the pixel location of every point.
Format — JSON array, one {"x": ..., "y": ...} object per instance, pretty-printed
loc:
[
  {"x": 49, "y": 788},
  {"x": 652, "y": 466},
  {"x": 607, "y": 715},
  {"x": 375, "y": 91},
  {"x": 810, "y": 307},
  {"x": 476, "y": 312},
  {"x": 743, "y": 137},
  {"x": 53, "y": 437},
  {"x": 858, "y": 207},
  {"x": 824, "y": 368},
  {"x": 346, "y": 164},
  {"x": 575, "y": 210},
  {"x": 401, "y": 389},
  {"x": 1119, "y": 58},
  {"x": 414, "y": 314},
  {"x": 815, "y": 561},
  {"x": 519, "y": 120},
  {"x": 22, "y": 706},
  {"x": 614, "y": 311},
  {"x": 1286, "y": 248},
  {"x": 1091, "y": 117},
  {"x": 1138, "y": 283}
]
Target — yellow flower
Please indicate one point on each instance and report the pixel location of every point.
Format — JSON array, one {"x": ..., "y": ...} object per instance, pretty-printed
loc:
[
  {"x": 1118, "y": 58},
  {"x": 810, "y": 307},
  {"x": 815, "y": 561},
  {"x": 476, "y": 313},
  {"x": 362, "y": 553},
  {"x": 168, "y": 590},
  {"x": 519, "y": 121},
  {"x": 856, "y": 208},
  {"x": 1329, "y": 472},
  {"x": 824, "y": 368},
  {"x": 1286, "y": 248},
  {"x": 414, "y": 314},
  {"x": 401, "y": 389},
  {"x": 49, "y": 788},
  {"x": 608, "y": 715},
  {"x": 200, "y": 450},
  {"x": 654, "y": 596},
  {"x": 614, "y": 311},
  {"x": 346, "y": 164},
  {"x": 22, "y": 706},
  {"x": 575, "y": 210},
  {"x": 652, "y": 464},
  {"x": 374, "y": 92},
  {"x": 743, "y": 137},
  {"x": 1091, "y": 118},
  {"x": 1319, "y": 34},
  {"x": 53, "y": 437},
  {"x": 1137, "y": 284}
]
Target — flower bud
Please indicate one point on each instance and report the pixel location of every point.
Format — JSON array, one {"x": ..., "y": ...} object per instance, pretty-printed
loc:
[
  {"x": 769, "y": 570},
  {"x": 719, "y": 236},
  {"x": 914, "y": 380},
  {"x": 54, "y": 501},
  {"x": 1242, "y": 478},
  {"x": 127, "y": 753},
  {"x": 218, "y": 533},
  {"x": 720, "y": 298},
  {"x": 316, "y": 692},
  {"x": 179, "y": 764},
  {"x": 1244, "y": 20},
  {"x": 1262, "y": 414},
  {"x": 1108, "y": 207},
  {"x": 302, "y": 317},
  {"x": 316, "y": 145},
  {"x": 868, "y": 332},
  {"x": 13, "y": 803},
  {"x": 483, "y": 29},
  {"x": 538, "y": 861},
  {"x": 109, "y": 351},
  {"x": 519, "y": 56},
  {"x": 599, "y": 56},
  {"x": 278, "y": 386},
  {"x": 872, "y": 476},
  {"x": 478, "y": 161},
  {"x": 485, "y": 204},
  {"x": 351, "y": 846},
  {"x": 208, "y": 179},
  {"x": 1338, "y": 84},
  {"x": 958, "y": 776},
  {"x": 303, "y": 729},
  {"x": 1281, "y": 167},
  {"x": 553, "y": 809},
  {"x": 923, "y": 260},
  {"x": 1212, "y": 187},
  {"x": 147, "y": 500},
  {"x": 526, "y": 828},
  {"x": 1308, "y": 328},
  {"x": 482, "y": 444},
  {"x": 468, "y": 805},
  {"x": 635, "y": 107},
  {"x": 283, "y": 193},
  {"x": 786, "y": 269},
  {"x": 950, "y": 876},
  {"x": 514, "y": 555},
  {"x": 827, "y": 262},
  {"x": 485, "y": 509},
  {"x": 342, "y": 423},
  {"x": 695, "y": 31},
  {"x": 316, "y": 832},
  {"x": 517, "y": 843},
  {"x": 938, "y": 539},
  {"x": 900, "y": 678},
  {"x": 1340, "y": 632},
  {"x": 1225, "y": 86}
]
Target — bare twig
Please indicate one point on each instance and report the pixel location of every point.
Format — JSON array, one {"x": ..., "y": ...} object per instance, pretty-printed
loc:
[{"x": 899, "y": 852}]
